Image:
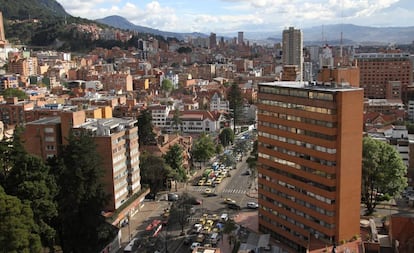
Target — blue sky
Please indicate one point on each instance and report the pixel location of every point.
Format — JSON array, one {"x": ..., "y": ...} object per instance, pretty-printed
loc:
[{"x": 227, "y": 16}]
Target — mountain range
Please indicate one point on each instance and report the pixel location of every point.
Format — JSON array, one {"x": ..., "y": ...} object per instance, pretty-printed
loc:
[{"x": 331, "y": 34}]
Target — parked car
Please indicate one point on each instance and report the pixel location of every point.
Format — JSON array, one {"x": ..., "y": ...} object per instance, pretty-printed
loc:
[
  {"x": 252, "y": 205},
  {"x": 233, "y": 206}
]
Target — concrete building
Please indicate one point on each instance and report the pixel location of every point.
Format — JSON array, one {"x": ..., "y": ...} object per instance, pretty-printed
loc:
[
  {"x": 213, "y": 40},
  {"x": 378, "y": 69},
  {"x": 240, "y": 38},
  {"x": 292, "y": 49},
  {"x": 309, "y": 156},
  {"x": 2, "y": 32}
]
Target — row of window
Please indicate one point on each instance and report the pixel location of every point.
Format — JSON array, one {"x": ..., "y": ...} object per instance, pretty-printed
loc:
[
  {"x": 306, "y": 108},
  {"x": 297, "y": 212},
  {"x": 297, "y": 118},
  {"x": 296, "y": 200},
  {"x": 297, "y": 93},
  {"x": 298, "y": 131},
  {"x": 299, "y": 178}
]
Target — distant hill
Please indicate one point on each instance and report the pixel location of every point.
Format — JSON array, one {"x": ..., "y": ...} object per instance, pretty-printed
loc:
[
  {"x": 352, "y": 34},
  {"x": 122, "y": 23},
  {"x": 29, "y": 9}
]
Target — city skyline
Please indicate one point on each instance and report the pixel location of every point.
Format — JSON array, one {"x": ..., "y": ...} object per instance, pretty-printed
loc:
[{"x": 244, "y": 15}]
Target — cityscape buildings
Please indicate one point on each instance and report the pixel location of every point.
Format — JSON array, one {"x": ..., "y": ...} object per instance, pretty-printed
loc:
[{"x": 309, "y": 173}]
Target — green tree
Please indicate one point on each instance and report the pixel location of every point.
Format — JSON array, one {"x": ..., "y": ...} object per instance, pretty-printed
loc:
[
  {"x": 154, "y": 171},
  {"x": 17, "y": 226},
  {"x": 203, "y": 148},
  {"x": 167, "y": 86},
  {"x": 219, "y": 149},
  {"x": 174, "y": 158},
  {"x": 383, "y": 173},
  {"x": 12, "y": 92},
  {"x": 226, "y": 136},
  {"x": 145, "y": 129},
  {"x": 29, "y": 179},
  {"x": 235, "y": 98},
  {"x": 180, "y": 211},
  {"x": 176, "y": 120},
  {"x": 81, "y": 198}
]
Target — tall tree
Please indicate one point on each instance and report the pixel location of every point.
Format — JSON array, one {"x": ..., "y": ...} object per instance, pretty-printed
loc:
[
  {"x": 235, "y": 98},
  {"x": 203, "y": 148},
  {"x": 174, "y": 158},
  {"x": 145, "y": 128},
  {"x": 17, "y": 226},
  {"x": 30, "y": 180},
  {"x": 383, "y": 173},
  {"x": 154, "y": 171},
  {"x": 180, "y": 211},
  {"x": 176, "y": 120},
  {"x": 12, "y": 92},
  {"x": 226, "y": 136},
  {"x": 81, "y": 197},
  {"x": 167, "y": 86}
]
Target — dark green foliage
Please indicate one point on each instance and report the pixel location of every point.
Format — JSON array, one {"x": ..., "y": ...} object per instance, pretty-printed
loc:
[
  {"x": 383, "y": 173},
  {"x": 29, "y": 179},
  {"x": 81, "y": 197},
  {"x": 174, "y": 158},
  {"x": 145, "y": 132},
  {"x": 11, "y": 92},
  {"x": 154, "y": 171},
  {"x": 26, "y": 9},
  {"x": 226, "y": 136},
  {"x": 17, "y": 226},
  {"x": 203, "y": 148}
]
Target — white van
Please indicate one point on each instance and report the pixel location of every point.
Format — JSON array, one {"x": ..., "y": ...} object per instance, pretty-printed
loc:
[{"x": 224, "y": 217}]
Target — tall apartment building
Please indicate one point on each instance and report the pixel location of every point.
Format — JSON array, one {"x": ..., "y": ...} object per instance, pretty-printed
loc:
[
  {"x": 240, "y": 38},
  {"x": 292, "y": 49},
  {"x": 213, "y": 40},
  {"x": 117, "y": 145},
  {"x": 378, "y": 69},
  {"x": 309, "y": 163}
]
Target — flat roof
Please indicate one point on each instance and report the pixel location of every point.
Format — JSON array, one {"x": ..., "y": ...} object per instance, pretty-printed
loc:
[
  {"x": 311, "y": 86},
  {"x": 44, "y": 121}
]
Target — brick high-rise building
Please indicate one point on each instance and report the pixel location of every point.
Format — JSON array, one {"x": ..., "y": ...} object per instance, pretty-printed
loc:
[
  {"x": 117, "y": 145},
  {"x": 309, "y": 165},
  {"x": 378, "y": 69},
  {"x": 292, "y": 49}
]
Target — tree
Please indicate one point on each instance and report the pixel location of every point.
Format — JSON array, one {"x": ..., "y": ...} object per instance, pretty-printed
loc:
[
  {"x": 226, "y": 136},
  {"x": 154, "y": 171},
  {"x": 145, "y": 129},
  {"x": 203, "y": 149},
  {"x": 17, "y": 226},
  {"x": 167, "y": 86},
  {"x": 219, "y": 149},
  {"x": 180, "y": 211},
  {"x": 235, "y": 103},
  {"x": 11, "y": 92},
  {"x": 81, "y": 198},
  {"x": 383, "y": 173},
  {"x": 30, "y": 180},
  {"x": 176, "y": 120},
  {"x": 174, "y": 158}
]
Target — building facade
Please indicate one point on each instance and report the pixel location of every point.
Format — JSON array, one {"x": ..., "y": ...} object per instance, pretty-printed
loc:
[
  {"x": 378, "y": 69},
  {"x": 292, "y": 49},
  {"x": 309, "y": 163}
]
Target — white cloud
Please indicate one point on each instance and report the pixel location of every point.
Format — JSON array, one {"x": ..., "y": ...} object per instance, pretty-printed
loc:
[{"x": 237, "y": 15}]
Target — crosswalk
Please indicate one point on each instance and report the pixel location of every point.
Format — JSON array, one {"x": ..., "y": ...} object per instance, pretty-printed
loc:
[{"x": 213, "y": 190}]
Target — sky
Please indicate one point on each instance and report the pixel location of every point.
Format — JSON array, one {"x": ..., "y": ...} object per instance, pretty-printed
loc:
[{"x": 228, "y": 16}]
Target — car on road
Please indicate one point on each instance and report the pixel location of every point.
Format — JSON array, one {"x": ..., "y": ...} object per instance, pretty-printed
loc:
[
  {"x": 207, "y": 191},
  {"x": 252, "y": 205},
  {"x": 229, "y": 201},
  {"x": 195, "y": 245},
  {"x": 211, "y": 194},
  {"x": 233, "y": 206}
]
